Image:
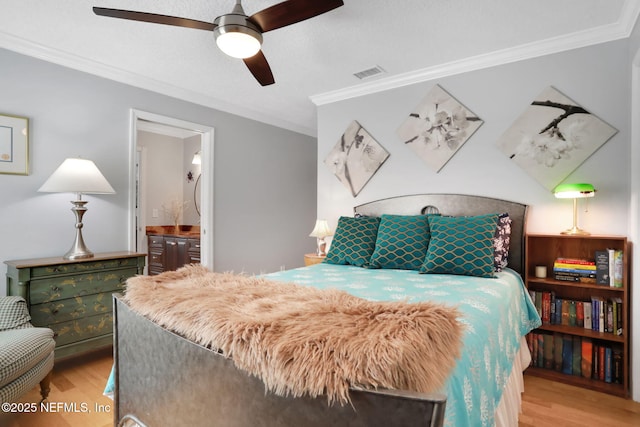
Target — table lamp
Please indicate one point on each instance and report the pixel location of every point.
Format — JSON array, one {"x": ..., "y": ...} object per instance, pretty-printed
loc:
[
  {"x": 575, "y": 192},
  {"x": 80, "y": 176},
  {"x": 320, "y": 231}
]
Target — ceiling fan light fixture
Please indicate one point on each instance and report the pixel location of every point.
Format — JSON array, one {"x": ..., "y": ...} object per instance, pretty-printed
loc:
[
  {"x": 236, "y": 36},
  {"x": 238, "y": 44}
]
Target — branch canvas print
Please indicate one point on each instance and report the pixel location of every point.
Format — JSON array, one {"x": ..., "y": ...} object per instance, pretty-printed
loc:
[
  {"x": 438, "y": 127},
  {"x": 356, "y": 158},
  {"x": 553, "y": 137}
]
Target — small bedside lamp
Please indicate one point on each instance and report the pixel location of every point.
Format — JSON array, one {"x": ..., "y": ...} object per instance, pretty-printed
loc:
[
  {"x": 575, "y": 192},
  {"x": 78, "y": 176},
  {"x": 320, "y": 231}
]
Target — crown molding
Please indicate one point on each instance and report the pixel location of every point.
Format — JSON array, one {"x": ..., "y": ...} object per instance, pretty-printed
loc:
[
  {"x": 618, "y": 30},
  {"x": 55, "y": 56}
]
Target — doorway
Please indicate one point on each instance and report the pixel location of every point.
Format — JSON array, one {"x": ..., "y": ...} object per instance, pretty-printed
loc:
[{"x": 141, "y": 120}]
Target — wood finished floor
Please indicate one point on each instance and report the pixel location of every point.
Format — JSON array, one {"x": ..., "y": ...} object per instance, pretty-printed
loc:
[{"x": 545, "y": 403}]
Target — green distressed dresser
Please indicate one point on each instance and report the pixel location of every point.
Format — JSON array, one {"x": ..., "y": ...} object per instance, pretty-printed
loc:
[{"x": 73, "y": 297}]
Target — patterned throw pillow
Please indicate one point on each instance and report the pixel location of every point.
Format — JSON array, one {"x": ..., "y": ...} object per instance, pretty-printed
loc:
[
  {"x": 461, "y": 245},
  {"x": 402, "y": 242},
  {"x": 501, "y": 241},
  {"x": 354, "y": 241}
]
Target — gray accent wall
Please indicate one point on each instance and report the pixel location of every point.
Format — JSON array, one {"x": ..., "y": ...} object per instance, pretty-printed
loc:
[{"x": 264, "y": 176}]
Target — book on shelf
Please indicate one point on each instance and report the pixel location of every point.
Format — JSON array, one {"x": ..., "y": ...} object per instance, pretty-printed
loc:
[
  {"x": 546, "y": 308},
  {"x": 608, "y": 364},
  {"x": 601, "y": 362},
  {"x": 548, "y": 356},
  {"x": 618, "y": 316},
  {"x": 609, "y": 267},
  {"x": 587, "y": 358},
  {"x": 574, "y": 276},
  {"x": 580, "y": 314},
  {"x": 574, "y": 261},
  {"x": 565, "y": 313},
  {"x": 572, "y": 314},
  {"x": 541, "y": 350},
  {"x": 617, "y": 365},
  {"x": 576, "y": 356},
  {"x": 618, "y": 269},
  {"x": 587, "y": 315},
  {"x": 567, "y": 354},
  {"x": 557, "y": 352},
  {"x": 602, "y": 268}
]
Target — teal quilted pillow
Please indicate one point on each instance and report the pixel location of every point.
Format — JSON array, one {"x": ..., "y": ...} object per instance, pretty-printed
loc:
[
  {"x": 461, "y": 245},
  {"x": 402, "y": 242},
  {"x": 354, "y": 241}
]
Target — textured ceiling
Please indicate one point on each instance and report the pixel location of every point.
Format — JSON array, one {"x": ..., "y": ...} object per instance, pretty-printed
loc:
[{"x": 313, "y": 61}]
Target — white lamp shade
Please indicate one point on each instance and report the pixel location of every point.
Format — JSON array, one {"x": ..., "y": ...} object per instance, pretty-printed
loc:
[
  {"x": 238, "y": 44},
  {"x": 321, "y": 229},
  {"x": 80, "y": 176},
  {"x": 197, "y": 159}
]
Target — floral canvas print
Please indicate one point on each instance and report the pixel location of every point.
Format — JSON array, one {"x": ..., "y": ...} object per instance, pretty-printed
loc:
[
  {"x": 553, "y": 137},
  {"x": 356, "y": 158},
  {"x": 438, "y": 127}
]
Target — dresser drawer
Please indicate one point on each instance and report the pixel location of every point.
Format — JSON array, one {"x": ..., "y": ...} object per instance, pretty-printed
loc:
[
  {"x": 69, "y": 309},
  {"x": 193, "y": 245},
  {"x": 80, "y": 267},
  {"x": 155, "y": 241},
  {"x": 82, "y": 329},
  {"x": 58, "y": 288},
  {"x": 156, "y": 257}
]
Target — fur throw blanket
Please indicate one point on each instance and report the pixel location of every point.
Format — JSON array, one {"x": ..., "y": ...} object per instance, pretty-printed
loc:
[{"x": 301, "y": 340}]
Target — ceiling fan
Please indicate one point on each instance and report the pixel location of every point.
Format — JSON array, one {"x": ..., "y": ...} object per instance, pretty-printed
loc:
[{"x": 237, "y": 34}]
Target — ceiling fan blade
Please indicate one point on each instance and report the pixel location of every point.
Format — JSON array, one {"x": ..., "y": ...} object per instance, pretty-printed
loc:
[
  {"x": 291, "y": 11},
  {"x": 154, "y": 18},
  {"x": 260, "y": 69}
]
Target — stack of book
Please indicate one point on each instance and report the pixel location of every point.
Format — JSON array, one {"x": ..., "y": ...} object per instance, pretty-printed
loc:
[
  {"x": 574, "y": 270},
  {"x": 574, "y": 355}
]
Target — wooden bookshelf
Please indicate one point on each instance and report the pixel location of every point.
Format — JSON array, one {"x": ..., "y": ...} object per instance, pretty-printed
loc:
[{"x": 543, "y": 250}]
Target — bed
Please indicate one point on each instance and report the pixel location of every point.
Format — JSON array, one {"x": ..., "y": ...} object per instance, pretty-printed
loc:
[{"x": 160, "y": 375}]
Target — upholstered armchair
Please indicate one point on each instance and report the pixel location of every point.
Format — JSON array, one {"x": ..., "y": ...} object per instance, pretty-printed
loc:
[{"x": 26, "y": 352}]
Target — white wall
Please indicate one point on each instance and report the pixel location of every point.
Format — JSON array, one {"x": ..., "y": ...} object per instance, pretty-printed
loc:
[
  {"x": 191, "y": 146},
  {"x": 164, "y": 170},
  {"x": 634, "y": 201},
  {"x": 264, "y": 176},
  {"x": 597, "y": 77}
]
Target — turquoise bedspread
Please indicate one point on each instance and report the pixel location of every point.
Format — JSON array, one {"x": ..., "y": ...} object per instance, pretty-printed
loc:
[{"x": 497, "y": 313}]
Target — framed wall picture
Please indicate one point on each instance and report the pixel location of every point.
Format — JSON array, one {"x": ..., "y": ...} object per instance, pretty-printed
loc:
[
  {"x": 553, "y": 137},
  {"x": 437, "y": 127},
  {"x": 355, "y": 158},
  {"x": 14, "y": 145}
]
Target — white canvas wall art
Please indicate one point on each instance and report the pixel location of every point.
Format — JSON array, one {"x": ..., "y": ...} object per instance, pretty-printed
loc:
[
  {"x": 355, "y": 158},
  {"x": 437, "y": 128},
  {"x": 553, "y": 137}
]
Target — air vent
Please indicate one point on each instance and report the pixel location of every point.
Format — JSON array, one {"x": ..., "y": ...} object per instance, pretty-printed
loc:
[{"x": 371, "y": 72}]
